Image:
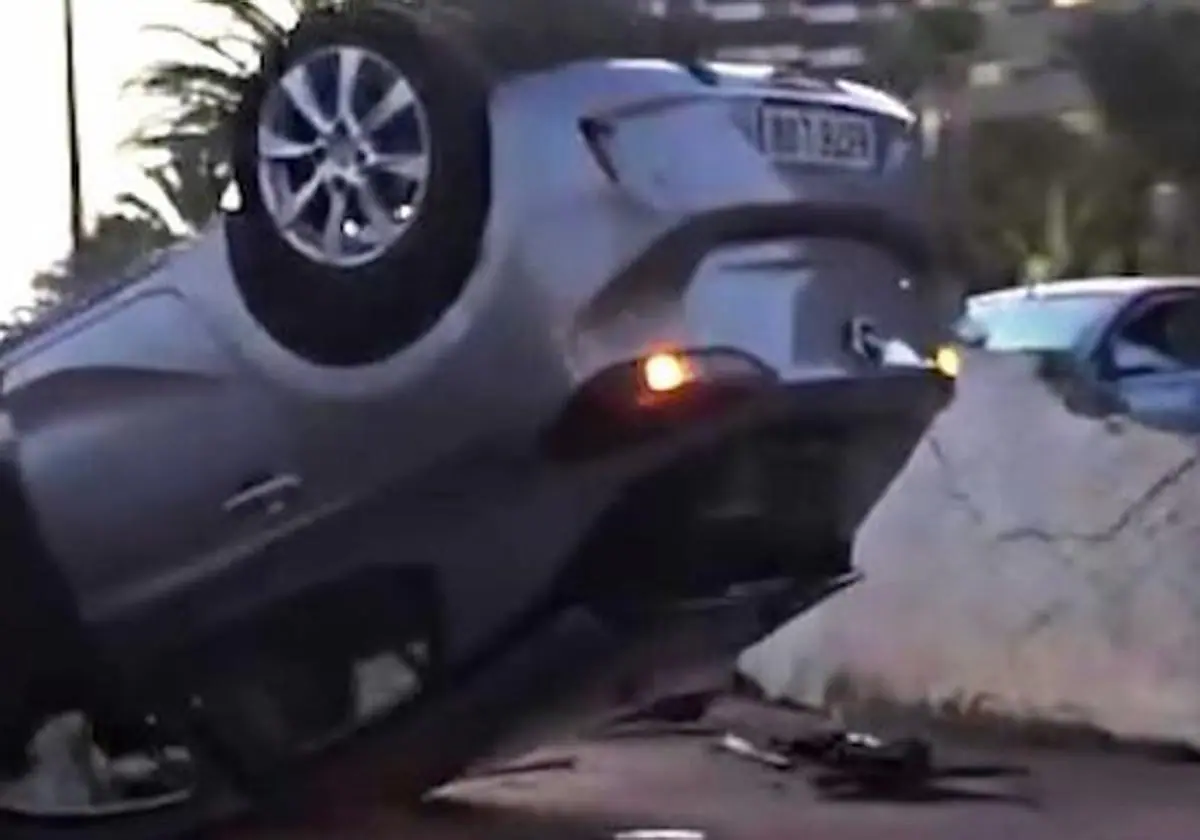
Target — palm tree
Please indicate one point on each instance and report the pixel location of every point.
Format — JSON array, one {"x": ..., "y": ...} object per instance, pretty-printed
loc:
[
  {"x": 116, "y": 241},
  {"x": 199, "y": 97},
  {"x": 925, "y": 56},
  {"x": 1143, "y": 71},
  {"x": 187, "y": 182}
]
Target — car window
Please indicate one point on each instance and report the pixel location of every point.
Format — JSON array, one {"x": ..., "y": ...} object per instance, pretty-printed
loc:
[
  {"x": 1054, "y": 322},
  {"x": 1164, "y": 338}
]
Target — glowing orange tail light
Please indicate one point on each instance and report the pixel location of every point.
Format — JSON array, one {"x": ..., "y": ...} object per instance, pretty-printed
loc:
[{"x": 665, "y": 372}]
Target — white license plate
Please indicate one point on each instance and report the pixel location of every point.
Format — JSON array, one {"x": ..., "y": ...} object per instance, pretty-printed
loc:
[{"x": 796, "y": 134}]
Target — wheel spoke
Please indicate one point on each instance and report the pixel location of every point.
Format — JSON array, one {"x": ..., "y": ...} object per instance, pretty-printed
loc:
[
  {"x": 379, "y": 222},
  {"x": 350, "y": 59},
  {"x": 295, "y": 204},
  {"x": 299, "y": 90},
  {"x": 334, "y": 233},
  {"x": 413, "y": 166},
  {"x": 275, "y": 146},
  {"x": 398, "y": 97}
]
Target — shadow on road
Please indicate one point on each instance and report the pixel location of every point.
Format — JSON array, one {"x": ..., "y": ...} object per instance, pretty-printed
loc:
[{"x": 941, "y": 785}]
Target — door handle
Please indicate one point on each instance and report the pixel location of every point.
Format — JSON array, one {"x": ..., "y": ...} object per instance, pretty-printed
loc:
[{"x": 271, "y": 495}]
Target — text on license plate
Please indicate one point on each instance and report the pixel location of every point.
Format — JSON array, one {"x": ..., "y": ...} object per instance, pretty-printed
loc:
[{"x": 793, "y": 134}]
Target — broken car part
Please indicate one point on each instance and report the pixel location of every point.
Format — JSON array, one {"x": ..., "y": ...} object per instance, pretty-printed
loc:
[{"x": 742, "y": 747}]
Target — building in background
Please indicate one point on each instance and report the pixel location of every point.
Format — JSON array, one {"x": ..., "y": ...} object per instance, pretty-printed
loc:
[
  {"x": 1021, "y": 69},
  {"x": 825, "y": 37}
]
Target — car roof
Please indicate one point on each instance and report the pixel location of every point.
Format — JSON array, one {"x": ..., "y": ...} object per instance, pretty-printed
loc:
[{"x": 1113, "y": 286}]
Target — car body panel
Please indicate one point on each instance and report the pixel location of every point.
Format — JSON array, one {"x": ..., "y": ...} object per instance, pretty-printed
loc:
[
  {"x": 1169, "y": 400},
  {"x": 156, "y": 384},
  {"x": 1119, "y": 285}
]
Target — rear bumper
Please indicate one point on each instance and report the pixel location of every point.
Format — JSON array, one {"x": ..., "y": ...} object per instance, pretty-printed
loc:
[
  {"x": 603, "y": 419},
  {"x": 866, "y": 428},
  {"x": 884, "y": 397},
  {"x": 721, "y": 488}
]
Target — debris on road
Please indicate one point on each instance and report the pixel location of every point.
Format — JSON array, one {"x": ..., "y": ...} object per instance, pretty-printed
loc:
[
  {"x": 837, "y": 762},
  {"x": 851, "y": 763},
  {"x": 858, "y": 765},
  {"x": 864, "y": 754},
  {"x": 739, "y": 746}
]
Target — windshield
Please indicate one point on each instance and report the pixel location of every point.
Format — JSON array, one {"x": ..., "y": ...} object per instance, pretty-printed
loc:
[{"x": 1034, "y": 323}]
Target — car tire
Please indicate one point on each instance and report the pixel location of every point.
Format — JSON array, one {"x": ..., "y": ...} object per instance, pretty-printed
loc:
[{"x": 379, "y": 285}]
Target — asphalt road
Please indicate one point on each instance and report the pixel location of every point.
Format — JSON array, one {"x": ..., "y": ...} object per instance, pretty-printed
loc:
[{"x": 683, "y": 782}]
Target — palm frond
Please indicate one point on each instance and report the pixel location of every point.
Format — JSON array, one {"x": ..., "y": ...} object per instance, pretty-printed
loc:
[
  {"x": 192, "y": 177},
  {"x": 136, "y": 207},
  {"x": 175, "y": 79},
  {"x": 209, "y": 119},
  {"x": 192, "y": 146},
  {"x": 215, "y": 46},
  {"x": 186, "y": 116},
  {"x": 192, "y": 197},
  {"x": 249, "y": 15}
]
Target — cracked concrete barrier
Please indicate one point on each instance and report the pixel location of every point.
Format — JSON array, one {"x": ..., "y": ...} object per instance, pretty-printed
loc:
[{"x": 1044, "y": 564}]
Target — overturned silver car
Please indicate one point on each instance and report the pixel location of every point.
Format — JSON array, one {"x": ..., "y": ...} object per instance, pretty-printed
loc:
[{"x": 505, "y": 378}]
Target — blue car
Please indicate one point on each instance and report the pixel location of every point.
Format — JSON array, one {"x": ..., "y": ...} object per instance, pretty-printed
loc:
[{"x": 1118, "y": 345}]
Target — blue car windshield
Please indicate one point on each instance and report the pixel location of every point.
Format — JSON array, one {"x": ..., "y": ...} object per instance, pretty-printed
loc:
[{"x": 1052, "y": 322}]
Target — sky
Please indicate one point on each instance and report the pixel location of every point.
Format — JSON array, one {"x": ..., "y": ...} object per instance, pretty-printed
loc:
[{"x": 111, "y": 46}]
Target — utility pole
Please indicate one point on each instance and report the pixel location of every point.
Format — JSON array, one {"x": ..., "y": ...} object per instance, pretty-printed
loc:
[{"x": 73, "y": 153}]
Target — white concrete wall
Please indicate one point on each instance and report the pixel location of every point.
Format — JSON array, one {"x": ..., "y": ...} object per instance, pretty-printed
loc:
[{"x": 1047, "y": 562}]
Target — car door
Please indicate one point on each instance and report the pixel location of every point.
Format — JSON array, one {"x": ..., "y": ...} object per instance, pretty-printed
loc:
[
  {"x": 146, "y": 450},
  {"x": 1152, "y": 360}
]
